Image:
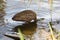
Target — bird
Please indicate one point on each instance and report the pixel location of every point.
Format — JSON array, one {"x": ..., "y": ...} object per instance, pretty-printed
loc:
[{"x": 25, "y": 16}]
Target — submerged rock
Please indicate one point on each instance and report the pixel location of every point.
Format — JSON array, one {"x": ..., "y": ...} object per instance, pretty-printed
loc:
[{"x": 26, "y": 15}]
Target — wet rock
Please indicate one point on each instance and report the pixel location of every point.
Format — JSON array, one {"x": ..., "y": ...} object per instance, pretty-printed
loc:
[{"x": 26, "y": 15}]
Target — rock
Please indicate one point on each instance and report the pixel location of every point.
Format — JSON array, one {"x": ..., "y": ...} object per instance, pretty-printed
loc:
[{"x": 26, "y": 15}]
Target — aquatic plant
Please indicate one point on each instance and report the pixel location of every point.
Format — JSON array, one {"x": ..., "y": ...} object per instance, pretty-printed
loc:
[
  {"x": 51, "y": 31},
  {"x": 30, "y": 1},
  {"x": 2, "y": 5},
  {"x": 20, "y": 34},
  {"x": 50, "y": 2}
]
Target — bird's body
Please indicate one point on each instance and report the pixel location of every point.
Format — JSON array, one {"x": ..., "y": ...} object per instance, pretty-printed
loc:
[{"x": 26, "y": 15}]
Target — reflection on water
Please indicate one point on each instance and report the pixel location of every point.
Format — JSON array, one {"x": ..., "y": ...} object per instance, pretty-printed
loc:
[{"x": 27, "y": 29}]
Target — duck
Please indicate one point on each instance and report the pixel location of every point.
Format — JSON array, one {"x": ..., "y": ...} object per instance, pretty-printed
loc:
[{"x": 25, "y": 16}]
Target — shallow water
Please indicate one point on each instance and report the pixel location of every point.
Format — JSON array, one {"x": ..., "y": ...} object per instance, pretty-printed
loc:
[{"x": 14, "y": 6}]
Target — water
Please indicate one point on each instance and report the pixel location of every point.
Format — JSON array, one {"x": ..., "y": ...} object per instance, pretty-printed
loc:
[{"x": 14, "y": 6}]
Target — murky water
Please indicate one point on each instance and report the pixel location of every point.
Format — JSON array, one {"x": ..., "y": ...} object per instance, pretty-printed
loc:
[{"x": 42, "y": 10}]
